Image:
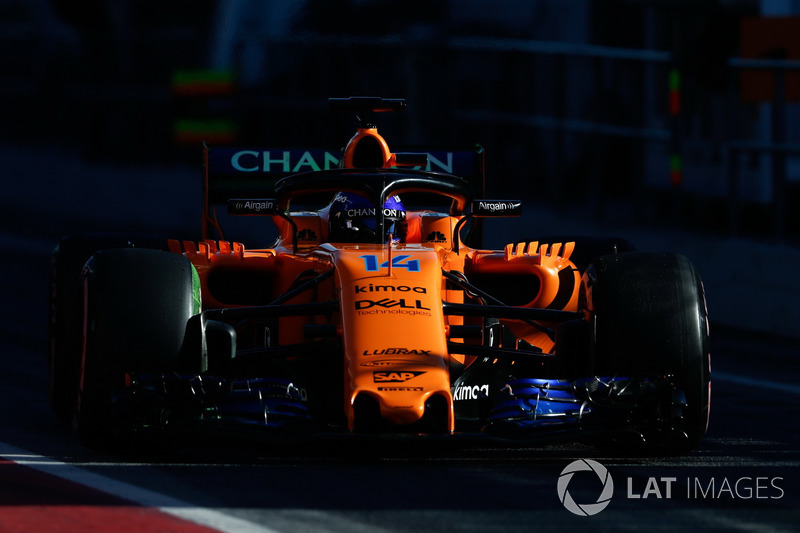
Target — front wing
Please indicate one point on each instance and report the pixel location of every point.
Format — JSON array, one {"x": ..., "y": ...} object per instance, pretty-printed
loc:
[{"x": 500, "y": 403}]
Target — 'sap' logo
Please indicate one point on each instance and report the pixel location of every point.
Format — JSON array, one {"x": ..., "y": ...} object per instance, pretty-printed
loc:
[{"x": 394, "y": 377}]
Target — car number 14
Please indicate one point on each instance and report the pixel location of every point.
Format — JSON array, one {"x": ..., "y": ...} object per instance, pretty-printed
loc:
[{"x": 399, "y": 261}]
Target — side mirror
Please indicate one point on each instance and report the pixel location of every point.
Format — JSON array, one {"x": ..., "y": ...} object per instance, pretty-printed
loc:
[
  {"x": 487, "y": 209},
  {"x": 262, "y": 207}
]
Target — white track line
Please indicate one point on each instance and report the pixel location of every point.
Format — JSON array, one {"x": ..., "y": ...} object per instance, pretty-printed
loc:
[{"x": 138, "y": 495}]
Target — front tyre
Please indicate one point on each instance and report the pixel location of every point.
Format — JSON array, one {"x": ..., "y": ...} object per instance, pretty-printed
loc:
[
  {"x": 651, "y": 321},
  {"x": 66, "y": 308},
  {"x": 137, "y": 304}
]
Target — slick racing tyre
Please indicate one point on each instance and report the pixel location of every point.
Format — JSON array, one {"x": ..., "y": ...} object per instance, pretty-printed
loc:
[
  {"x": 137, "y": 305},
  {"x": 66, "y": 308},
  {"x": 651, "y": 320}
]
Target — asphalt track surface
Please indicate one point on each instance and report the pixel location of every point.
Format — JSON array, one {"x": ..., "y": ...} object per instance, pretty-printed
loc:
[{"x": 745, "y": 476}]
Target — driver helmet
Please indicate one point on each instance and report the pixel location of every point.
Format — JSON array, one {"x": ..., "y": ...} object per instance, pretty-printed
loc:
[{"x": 352, "y": 218}]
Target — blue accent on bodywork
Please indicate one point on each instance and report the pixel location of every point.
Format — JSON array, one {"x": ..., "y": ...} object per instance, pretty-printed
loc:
[
  {"x": 539, "y": 402},
  {"x": 195, "y": 399},
  {"x": 532, "y": 403}
]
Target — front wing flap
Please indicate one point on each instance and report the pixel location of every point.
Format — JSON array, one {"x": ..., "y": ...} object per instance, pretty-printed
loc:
[{"x": 630, "y": 409}]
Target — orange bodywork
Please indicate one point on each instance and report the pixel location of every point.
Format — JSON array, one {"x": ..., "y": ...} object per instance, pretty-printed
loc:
[{"x": 393, "y": 332}]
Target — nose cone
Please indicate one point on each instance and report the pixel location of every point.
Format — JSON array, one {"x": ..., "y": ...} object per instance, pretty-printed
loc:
[{"x": 404, "y": 412}]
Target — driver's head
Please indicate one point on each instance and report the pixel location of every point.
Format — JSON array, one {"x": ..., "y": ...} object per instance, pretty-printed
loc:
[{"x": 352, "y": 218}]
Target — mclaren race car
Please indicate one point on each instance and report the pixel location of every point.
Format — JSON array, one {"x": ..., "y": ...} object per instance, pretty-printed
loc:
[{"x": 375, "y": 311}]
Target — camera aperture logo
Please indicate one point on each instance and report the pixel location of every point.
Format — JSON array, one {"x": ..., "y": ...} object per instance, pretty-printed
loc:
[{"x": 585, "y": 509}]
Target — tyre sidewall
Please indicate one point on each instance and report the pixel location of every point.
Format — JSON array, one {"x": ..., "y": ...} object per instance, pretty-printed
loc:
[
  {"x": 66, "y": 308},
  {"x": 651, "y": 320},
  {"x": 137, "y": 304}
]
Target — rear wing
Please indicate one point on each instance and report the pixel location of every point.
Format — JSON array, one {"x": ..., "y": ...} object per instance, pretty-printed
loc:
[{"x": 251, "y": 173}]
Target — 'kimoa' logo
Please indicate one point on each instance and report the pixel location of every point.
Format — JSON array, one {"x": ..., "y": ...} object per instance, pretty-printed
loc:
[
  {"x": 389, "y": 288},
  {"x": 587, "y": 509},
  {"x": 470, "y": 392}
]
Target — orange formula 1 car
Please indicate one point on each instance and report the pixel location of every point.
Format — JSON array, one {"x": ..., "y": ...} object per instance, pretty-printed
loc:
[{"x": 369, "y": 316}]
